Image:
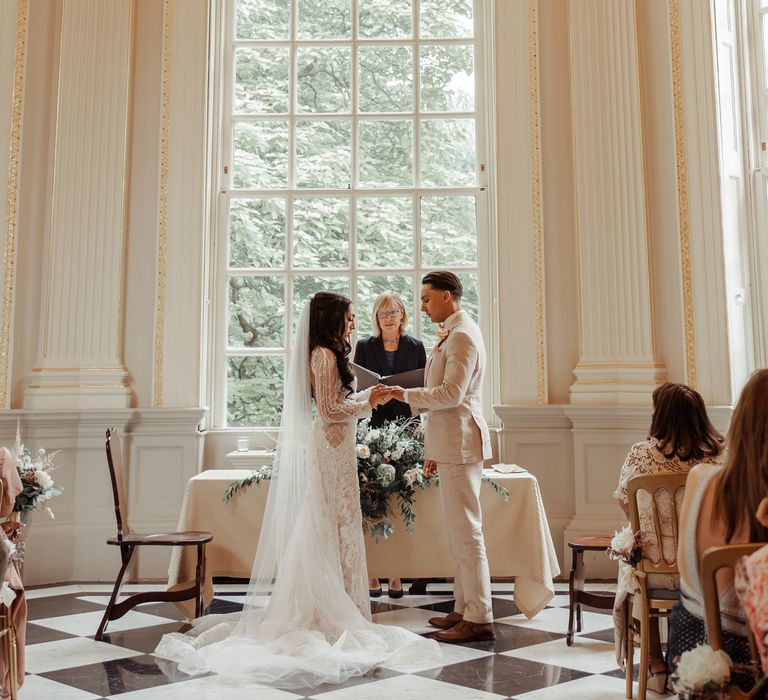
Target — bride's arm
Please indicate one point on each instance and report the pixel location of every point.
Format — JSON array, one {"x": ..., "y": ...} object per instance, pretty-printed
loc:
[{"x": 332, "y": 406}]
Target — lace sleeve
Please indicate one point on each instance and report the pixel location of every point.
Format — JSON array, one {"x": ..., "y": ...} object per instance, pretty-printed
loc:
[
  {"x": 636, "y": 463},
  {"x": 332, "y": 405}
]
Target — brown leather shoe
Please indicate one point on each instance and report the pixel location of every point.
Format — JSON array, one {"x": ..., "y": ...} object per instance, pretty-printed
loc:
[
  {"x": 467, "y": 632},
  {"x": 445, "y": 622}
]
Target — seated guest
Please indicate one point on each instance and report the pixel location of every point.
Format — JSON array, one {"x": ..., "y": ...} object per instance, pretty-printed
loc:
[
  {"x": 389, "y": 350},
  {"x": 681, "y": 436},
  {"x": 720, "y": 507},
  {"x": 752, "y": 589}
]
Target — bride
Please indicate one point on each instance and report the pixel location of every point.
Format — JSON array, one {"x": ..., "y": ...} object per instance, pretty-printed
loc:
[{"x": 316, "y": 626}]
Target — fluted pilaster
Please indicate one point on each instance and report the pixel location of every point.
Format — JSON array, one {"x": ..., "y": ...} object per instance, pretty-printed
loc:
[
  {"x": 79, "y": 358},
  {"x": 617, "y": 361}
]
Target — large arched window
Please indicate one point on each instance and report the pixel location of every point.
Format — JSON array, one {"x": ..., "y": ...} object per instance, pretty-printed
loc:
[{"x": 351, "y": 157}]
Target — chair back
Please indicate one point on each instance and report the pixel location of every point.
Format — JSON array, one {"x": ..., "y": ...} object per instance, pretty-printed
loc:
[
  {"x": 714, "y": 559},
  {"x": 114, "y": 460},
  {"x": 672, "y": 483}
]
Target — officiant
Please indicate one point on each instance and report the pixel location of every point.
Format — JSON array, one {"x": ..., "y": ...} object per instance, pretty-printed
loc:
[{"x": 390, "y": 350}]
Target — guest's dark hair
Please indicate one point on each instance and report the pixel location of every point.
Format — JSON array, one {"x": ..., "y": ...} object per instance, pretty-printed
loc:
[
  {"x": 327, "y": 321},
  {"x": 743, "y": 483},
  {"x": 445, "y": 282},
  {"x": 681, "y": 425}
]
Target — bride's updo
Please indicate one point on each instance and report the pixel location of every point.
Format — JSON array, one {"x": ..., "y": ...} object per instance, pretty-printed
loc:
[{"x": 327, "y": 321}]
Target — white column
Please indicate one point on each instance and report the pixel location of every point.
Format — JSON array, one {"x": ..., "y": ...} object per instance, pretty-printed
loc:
[
  {"x": 79, "y": 358},
  {"x": 617, "y": 363}
]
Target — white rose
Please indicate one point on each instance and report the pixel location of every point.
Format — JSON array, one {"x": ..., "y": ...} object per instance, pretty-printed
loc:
[
  {"x": 623, "y": 541},
  {"x": 43, "y": 479},
  {"x": 398, "y": 452},
  {"x": 386, "y": 474},
  {"x": 363, "y": 452},
  {"x": 700, "y": 666},
  {"x": 374, "y": 434},
  {"x": 411, "y": 476}
]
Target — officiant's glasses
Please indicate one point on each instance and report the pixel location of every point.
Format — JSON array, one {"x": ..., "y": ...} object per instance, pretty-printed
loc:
[{"x": 389, "y": 314}]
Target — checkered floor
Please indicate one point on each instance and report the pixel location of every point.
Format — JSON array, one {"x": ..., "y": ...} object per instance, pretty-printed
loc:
[{"x": 529, "y": 658}]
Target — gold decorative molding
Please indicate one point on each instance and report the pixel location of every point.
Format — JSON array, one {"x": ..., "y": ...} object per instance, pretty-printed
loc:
[
  {"x": 682, "y": 194},
  {"x": 9, "y": 254},
  {"x": 162, "y": 228},
  {"x": 533, "y": 83}
]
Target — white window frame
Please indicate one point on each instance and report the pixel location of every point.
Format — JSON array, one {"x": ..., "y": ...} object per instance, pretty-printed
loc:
[{"x": 221, "y": 49}]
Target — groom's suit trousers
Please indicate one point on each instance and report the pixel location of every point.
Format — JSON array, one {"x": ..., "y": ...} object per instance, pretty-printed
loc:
[{"x": 460, "y": 490}]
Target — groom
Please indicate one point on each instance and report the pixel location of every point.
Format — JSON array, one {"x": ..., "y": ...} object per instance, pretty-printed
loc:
[{"x": 456, "y": 443}]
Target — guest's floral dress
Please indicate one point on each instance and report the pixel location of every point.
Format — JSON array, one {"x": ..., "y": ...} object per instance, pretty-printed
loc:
[{"x": 752, "y": 589}]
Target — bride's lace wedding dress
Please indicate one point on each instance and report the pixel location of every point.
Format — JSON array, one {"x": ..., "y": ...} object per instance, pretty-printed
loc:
[{"x": 316, "y": 626}]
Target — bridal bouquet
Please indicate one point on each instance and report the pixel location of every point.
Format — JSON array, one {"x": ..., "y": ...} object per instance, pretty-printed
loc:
[
  {"x": 626, "y": 546},
  {"x": 390, "y": 465},
  {"x": 702, "y": 674},
  {"x": 390, "y": 469},
  {"x": 36, "y": 480}
]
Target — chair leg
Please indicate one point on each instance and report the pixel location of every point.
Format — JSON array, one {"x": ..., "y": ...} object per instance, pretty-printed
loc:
[
  {"x": 573, "y": 597},
  {"x": 126, "y": 552},
  {"x": 642, "y": 681},
  {"x": 199, "y": 580},
  {"x": 629, "y": 636}
]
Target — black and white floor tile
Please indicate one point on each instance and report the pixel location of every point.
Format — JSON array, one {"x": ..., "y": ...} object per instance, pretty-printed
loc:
[{"x": 529, "y": 659}]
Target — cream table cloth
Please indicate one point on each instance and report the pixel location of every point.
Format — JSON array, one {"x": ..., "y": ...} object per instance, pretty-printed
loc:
[{"x": 517, "y": 537}]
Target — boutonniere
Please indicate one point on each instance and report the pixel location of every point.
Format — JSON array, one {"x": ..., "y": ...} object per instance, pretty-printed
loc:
[{"x": 443, "y": 334}]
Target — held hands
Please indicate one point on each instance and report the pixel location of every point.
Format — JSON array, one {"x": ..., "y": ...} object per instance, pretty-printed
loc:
[{"x": 381, "y": 394}]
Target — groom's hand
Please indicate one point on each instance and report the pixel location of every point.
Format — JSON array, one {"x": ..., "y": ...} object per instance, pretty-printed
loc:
[
  {"x": 430, "y": 468},
  {"x": 397, "y": 393}
]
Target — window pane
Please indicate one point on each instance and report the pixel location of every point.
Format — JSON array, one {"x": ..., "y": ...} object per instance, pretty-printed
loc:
[
  {"x": 447, "y": 79},
  {"x": 469, "y": 302},
  {"x": 324, "y": 76},
  {"x": 385, "y": 231},
  {"x": 384, "y": 19},
  {"x": 261, "y": 154},
  {"x": 254, "y": 391},
  {"x": 447, "y": 152},
  {"x": 321, "y": 232},
  {"x": 304, "y": 285},
  {"x": 765, "y": 50},
  {"x": 446, "y": 19},
  {"x": 386, "y": 79},
  {"x": 386, "y": 149},
  {"x": 325, "y": 19},
  {"x": 262, "y": 19},
  {"x": 257, "y": 233},
  {"x": 448, "y": 231},
  {"x": 261, "y": 80},
  {"x": 324, "y": 154},
  {"x": 256, "y": 312},
  {"x": 370, "y": 286}
]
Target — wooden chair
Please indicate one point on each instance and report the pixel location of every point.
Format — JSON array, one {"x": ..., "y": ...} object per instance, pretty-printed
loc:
[
  {"x": 714, "y": 559},
  {"x": 128, "y": 542},
  {"x": 8, "y": 634},
  {"x": 654, "y": 603},
  {"x": 577, "y": 596}
]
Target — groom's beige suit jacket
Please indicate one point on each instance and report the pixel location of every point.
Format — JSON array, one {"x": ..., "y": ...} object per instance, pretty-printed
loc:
[{"x": 456, "y": 431}]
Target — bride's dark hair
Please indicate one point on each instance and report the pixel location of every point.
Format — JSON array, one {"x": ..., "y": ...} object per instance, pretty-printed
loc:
[{"x": 327, "y": 321}]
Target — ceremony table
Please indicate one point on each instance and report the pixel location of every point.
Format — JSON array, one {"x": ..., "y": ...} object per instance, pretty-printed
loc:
[{"x": 517, "y": 537}]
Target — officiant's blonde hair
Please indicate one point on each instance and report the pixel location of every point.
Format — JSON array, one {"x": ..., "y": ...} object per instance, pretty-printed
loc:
[{"x": 388, "y": 298}]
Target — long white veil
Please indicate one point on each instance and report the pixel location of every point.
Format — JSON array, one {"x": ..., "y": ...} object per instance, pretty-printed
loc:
[{"x": 298, "y": 627}]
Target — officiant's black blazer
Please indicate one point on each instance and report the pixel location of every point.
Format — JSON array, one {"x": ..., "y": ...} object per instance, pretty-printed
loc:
[{"x": 369, "y": 353}]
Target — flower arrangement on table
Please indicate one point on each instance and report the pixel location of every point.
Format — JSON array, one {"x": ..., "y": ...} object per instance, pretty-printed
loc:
[
  {"x": 626, "y": 546},
  {"x": 36, "y": 479},
  {"x": 702, "y": 674},
  {"x": 390, "y": 469}
]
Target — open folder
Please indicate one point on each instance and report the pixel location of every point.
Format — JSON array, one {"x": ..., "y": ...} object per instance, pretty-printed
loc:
[{"x": 407, "y": 380}]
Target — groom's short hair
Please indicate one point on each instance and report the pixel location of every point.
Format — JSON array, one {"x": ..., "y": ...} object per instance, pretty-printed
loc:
[{"x": 445, "y": 282}]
